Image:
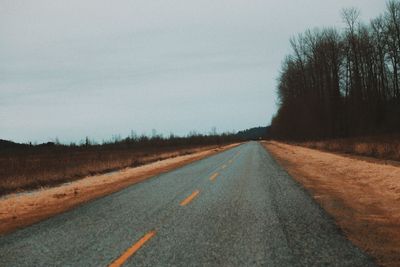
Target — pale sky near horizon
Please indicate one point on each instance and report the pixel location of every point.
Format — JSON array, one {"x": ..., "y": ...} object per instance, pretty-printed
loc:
[{"x": 76, "y": 68}]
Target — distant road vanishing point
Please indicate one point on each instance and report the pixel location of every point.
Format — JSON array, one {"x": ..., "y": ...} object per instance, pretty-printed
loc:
[{"x": 236, "y": 208}]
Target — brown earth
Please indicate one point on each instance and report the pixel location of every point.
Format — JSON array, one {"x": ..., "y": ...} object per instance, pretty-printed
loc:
[
  {"x": 362, "y": 196},
  {"x": 23, "y": 209}
]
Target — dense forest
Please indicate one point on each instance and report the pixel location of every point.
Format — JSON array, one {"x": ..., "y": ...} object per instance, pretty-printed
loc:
[
  {"x": 256, "y": 133},
  {"x": 342, "y": 83}
]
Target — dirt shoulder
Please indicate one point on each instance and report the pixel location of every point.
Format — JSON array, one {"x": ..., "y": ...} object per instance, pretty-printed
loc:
[
  {"x": 20, "y": 210},
  {"x": 362, "y": 196}
]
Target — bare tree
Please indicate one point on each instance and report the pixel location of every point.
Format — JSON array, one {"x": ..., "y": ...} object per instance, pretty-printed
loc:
[
  {"x": 393, "y": 34},
  {"x": 345, "y": 83}
]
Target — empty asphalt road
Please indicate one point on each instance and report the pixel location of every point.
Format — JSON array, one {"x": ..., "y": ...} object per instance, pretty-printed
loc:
[{"x": 237, "y": 208}]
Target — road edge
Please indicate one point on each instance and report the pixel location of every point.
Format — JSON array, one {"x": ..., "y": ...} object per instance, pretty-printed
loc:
[{"x": 22, "y": 210}]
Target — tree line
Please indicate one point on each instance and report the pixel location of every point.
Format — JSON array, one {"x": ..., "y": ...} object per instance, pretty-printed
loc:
[
  {"x": 135, "y": 141},
  {"x": 342, "y": 82}
]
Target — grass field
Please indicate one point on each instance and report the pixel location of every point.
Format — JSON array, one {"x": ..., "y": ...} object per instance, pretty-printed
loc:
[
  {"x": 382, "y": 147},
  {"x": 30, "y": 167}
]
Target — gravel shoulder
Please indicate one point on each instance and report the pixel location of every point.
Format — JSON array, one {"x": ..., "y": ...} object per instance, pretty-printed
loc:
[
  {"x": 23, "y": 209},
  {"x": 362, "y": 196}
]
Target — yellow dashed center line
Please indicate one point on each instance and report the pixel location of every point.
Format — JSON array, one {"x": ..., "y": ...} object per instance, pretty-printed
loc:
[
  {"x": 189, "y": 198},
  {"x": 135, "y": 247},
  {"x": 212, "y": 177},
  {"x": 132, "y": 250}
]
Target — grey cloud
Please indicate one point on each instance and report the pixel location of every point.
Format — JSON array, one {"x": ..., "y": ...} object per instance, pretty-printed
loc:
[{"x": 96, "y": 67}]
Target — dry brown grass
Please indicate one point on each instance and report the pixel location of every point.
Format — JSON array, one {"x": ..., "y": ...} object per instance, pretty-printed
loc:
[
  {"x": 34, "y": 168},
  {"x": 20, "y": 210},
  {"x": 363, "y": 196},
  {"x": 382, "y": 147}
]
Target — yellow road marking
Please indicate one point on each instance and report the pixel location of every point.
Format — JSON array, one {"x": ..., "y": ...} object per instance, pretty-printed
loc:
[
  {"x": 189, "y": 198},
  {"x": 129, "y": 252},
  {"x": 212, "y": 177},
  {"x": 223, "y": 166}
]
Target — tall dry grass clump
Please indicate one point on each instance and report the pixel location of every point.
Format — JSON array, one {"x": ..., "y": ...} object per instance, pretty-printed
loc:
[{"x": 382, "y": 147}]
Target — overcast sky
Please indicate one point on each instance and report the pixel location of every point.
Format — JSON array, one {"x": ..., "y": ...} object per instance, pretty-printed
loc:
[{"x": 77, "y": 68}]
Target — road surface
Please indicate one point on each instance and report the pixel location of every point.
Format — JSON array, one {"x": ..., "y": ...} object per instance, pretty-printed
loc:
[{"x": 236, "y": 208}]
